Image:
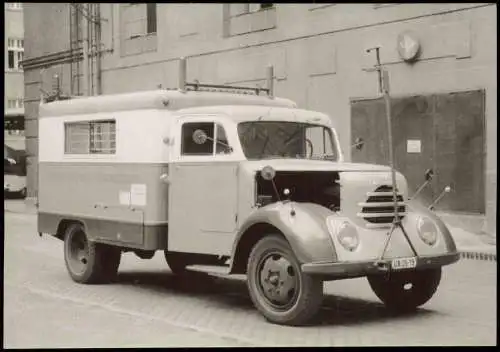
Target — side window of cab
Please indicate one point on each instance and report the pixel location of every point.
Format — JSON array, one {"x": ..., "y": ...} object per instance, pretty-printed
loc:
[{"x": 204, "y": 138}]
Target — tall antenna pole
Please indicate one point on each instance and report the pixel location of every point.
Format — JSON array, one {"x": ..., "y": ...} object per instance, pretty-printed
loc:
[
  {"x": 383, "y": 76},
  {"x": 387, "y": 99},
  {"x": 182, "y": 74}
]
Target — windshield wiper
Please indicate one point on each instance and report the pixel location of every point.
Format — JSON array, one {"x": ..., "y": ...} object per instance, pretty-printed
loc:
[
  {"x": 264, "y": 147},
  {"x": 289, "y": 139}
]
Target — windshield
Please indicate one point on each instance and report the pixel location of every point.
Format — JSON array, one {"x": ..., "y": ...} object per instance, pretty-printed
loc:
[{"x": 273, "y": 139}]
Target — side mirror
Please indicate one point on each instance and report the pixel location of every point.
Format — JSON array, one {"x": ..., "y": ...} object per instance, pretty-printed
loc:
[
  {"x": 199, "y": 137},
  {"x": 429, "y": 174}
]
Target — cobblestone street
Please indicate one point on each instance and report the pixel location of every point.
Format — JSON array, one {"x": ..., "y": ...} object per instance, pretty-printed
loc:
[{"x": 149, "y": 307}]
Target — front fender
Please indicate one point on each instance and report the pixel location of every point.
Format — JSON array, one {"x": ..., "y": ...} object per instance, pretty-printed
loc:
[
  {"x": 306, "y": 230},
  {"x": 419, "y": 208}
]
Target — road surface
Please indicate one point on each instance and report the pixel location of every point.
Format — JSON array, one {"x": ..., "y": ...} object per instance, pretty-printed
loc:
[{"x": 149, "y": 307}]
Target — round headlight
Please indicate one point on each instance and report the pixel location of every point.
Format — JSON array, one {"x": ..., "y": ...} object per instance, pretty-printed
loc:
[
  {"x": 427, "y": 231},
  {"x": 348, "y": 236}
]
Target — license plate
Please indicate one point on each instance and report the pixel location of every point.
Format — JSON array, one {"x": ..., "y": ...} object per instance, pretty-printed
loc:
[{"x": 404, "y": 263}]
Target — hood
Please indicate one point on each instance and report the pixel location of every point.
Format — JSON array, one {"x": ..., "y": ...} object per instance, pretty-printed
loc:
[{"x": 313, "y": 165}]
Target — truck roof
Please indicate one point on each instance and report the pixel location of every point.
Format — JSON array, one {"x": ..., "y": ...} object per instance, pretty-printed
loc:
[
  {"x": 156, "y": 99},
  {"x": 242, "y": 113}
]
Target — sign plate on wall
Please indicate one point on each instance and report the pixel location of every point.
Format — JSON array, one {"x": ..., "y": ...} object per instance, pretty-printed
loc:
[{"x": 413, "y": 146}]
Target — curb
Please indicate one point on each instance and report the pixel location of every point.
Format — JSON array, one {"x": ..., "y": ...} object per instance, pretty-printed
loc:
[
  {"x": 464, "y": 254},
  {"x": 475, "y": 255}
]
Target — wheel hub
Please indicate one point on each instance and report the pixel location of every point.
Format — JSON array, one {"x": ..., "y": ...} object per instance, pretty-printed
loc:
[
  {"x": 78, "y": 252},
  {"x": 278, "y": 280}
]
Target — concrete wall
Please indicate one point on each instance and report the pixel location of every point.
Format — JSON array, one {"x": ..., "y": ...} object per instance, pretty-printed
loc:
[
  {"x": 318, "y": 52},
  {"x": 14, "y": 81}
]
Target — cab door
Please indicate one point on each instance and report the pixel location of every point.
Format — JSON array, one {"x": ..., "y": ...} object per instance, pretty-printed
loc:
[{"x": 203, "y": 188}]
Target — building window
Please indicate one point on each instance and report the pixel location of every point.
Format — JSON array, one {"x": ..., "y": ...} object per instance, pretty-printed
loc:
[
  {"x": 245, "y": 8},
  {"x": 139, "y": 20},
  {"x": 14, "y": 5},
  {"x": 11, "y": 59},
  {"x": 151, "y": 18},
  {"x": 15, "y": 49},
  {"x": 13, "y": 103},
  {"x": 91, "y": 137},
  {"x": 266, "y": 6},
  {"x": 244, "y": 18}
]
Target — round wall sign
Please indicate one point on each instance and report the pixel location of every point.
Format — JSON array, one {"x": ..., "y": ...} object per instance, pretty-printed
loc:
[{"x": 408, "y": 46}]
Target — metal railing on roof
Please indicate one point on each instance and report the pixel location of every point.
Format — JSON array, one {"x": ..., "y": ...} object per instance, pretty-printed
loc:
[{"x": 184, "y": 85}]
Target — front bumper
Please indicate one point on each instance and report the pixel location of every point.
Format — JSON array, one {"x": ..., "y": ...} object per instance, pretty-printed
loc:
[{"x": 357, "y": 269}]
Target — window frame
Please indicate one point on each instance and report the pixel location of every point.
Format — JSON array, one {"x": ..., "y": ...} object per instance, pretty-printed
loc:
[
  {"x": 15, "y": 46},
  {"x": 148, "y": 21},
  {"x": 151, "y": 18},
  {"x": 248, "y": 9},
  {"x": 90, "y": 144}
]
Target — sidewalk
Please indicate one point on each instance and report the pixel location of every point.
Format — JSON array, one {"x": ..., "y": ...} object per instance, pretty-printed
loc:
[{"x": 471, "y": 246}]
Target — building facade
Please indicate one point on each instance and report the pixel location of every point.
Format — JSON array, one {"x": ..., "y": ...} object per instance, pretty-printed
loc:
[
  {"x": 441, "y": 60},
  {"x": 14, "y": 76}
]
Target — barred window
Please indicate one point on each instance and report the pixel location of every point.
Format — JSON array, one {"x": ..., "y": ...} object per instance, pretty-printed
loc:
[{"x": 90, "y": 137}]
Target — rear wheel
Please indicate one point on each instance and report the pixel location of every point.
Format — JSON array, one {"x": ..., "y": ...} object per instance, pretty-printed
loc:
[
  {"x": 278, "y": 287},
  {"x": 406, "y": 290},
  {"x": 88, "y": 262}
]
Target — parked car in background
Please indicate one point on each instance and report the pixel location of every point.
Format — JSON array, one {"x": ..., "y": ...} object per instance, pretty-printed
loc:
[{"x": 14, "y": 166}]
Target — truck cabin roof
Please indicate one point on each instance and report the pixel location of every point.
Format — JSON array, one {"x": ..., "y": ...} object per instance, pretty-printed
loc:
[{"x": 172, "y": 100}]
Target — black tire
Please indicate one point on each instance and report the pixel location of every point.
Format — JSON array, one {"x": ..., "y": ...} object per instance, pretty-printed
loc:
[
  {"x": 404, "y": 291},
  {"x": 88, "y": 262},
  {"x": 177, "y": 262},
  {"x": 304, "y": 293}
]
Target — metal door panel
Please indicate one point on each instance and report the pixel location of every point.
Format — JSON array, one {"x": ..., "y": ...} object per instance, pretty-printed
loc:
[
  {"x": 450, "y": 128},
  {"x": 202, "y": 207},
  {"x": 460, "y": 159}
]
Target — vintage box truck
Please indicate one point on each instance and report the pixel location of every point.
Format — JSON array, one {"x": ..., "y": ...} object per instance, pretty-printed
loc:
[{"x": 230, "y": 182}]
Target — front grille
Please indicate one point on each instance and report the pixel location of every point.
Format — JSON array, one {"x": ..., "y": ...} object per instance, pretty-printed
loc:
[{"x": 379, "y": 207}]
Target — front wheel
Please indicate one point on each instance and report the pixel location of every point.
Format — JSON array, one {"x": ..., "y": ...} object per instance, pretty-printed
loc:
[
  {"x": 405, "y": 291},
  {"x": 277, "y": 286},
  {"x": 89, "y": 262}
]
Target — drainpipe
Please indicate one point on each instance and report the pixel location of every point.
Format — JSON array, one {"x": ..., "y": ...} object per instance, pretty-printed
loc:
[
  {"x": 90, "y": 10},
  {"x": 98, "y": 48},
  {"x": 85, "y": 66}
]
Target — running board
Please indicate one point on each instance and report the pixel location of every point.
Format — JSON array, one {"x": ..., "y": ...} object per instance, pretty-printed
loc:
[
  {"x": 210, "y": 269},
  {"x": 216, "y": 270}
]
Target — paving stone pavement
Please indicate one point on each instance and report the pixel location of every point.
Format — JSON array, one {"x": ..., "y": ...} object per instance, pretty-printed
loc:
[{"x": 150, "y": 307}]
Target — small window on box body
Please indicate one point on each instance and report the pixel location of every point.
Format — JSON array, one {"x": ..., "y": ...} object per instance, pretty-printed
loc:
[{"x": 90, "y": 137}]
